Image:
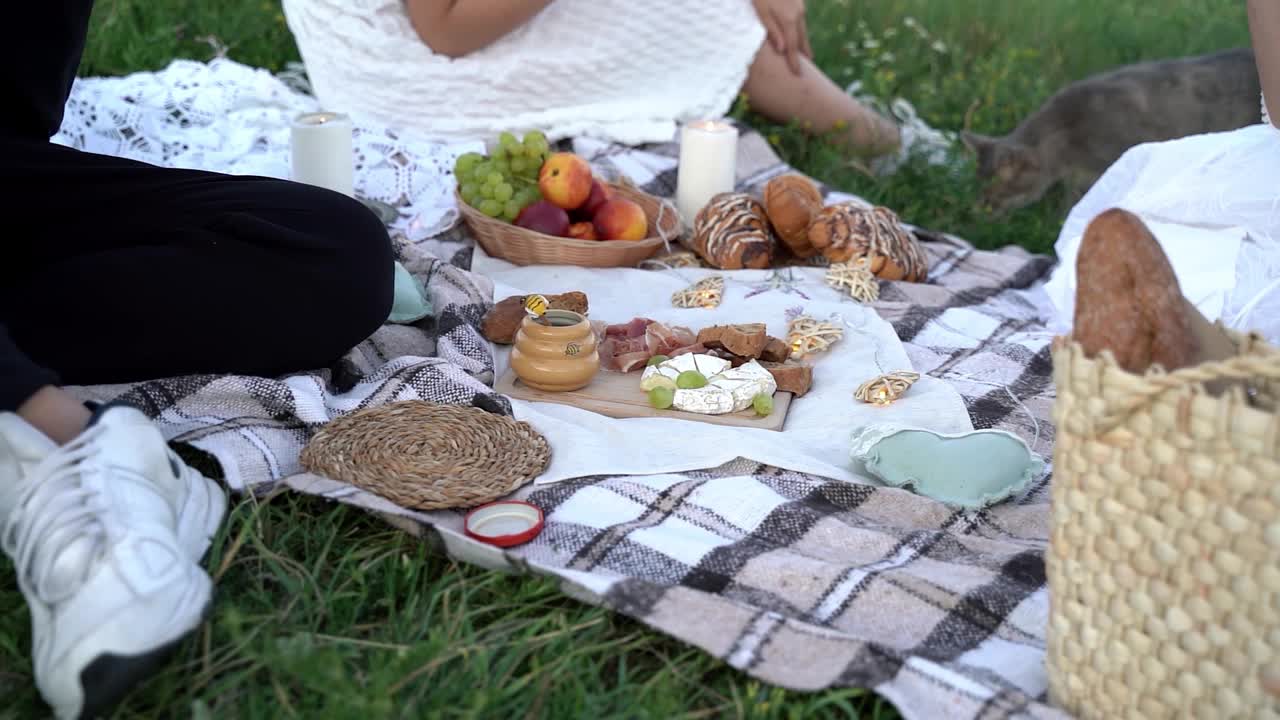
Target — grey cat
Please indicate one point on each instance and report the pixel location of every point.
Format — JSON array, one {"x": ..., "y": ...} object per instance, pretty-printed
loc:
[{"x": 1085, "y": 127}]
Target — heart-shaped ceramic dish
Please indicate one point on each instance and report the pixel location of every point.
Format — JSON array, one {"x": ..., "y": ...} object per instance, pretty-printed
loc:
[{"x": 975, "y": 469}]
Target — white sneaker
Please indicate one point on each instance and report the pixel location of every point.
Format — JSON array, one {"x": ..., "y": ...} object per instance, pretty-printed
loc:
[{"x": 93, "y": 532}]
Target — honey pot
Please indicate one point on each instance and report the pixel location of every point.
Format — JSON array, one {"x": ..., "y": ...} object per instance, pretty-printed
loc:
[{"x": 555, "y": 353}]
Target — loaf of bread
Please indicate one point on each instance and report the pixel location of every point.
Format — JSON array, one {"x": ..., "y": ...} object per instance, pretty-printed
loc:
[
  {"x": 502, "y": 322},
  {"x": 791, "y": 377},
  {"x": 732, "y": 233},
  {"x": 847, "y": 231},
  {"x": 1127, "y": 297},
  {"x": 792, "y": 202},
  {"x": 775, "y": 350},
  {"x": 747, "y": 340},
  {"x": 734, "y": 360}
]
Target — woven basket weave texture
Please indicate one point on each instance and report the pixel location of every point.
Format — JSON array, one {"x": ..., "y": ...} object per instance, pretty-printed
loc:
[
  {"x": 425, "y": 456},
  {"x": 1164, "y": 560},
  {"x": 525, "y": 247}
]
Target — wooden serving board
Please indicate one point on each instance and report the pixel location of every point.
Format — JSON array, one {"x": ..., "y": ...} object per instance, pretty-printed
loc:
[{"x": 618, "y": 395}]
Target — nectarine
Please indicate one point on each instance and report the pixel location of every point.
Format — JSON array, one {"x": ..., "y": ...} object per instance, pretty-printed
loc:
[
  {"x": 565, "y": 180},
  {"x": 583, "y": 231},
  {"x": 621, "y": 219},
  {"x": 600, "y": 194},
  {"x": 545, "y": 218}
]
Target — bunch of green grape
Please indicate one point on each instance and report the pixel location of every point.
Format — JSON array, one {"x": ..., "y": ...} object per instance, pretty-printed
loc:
[{"x": 504, "y": 182}]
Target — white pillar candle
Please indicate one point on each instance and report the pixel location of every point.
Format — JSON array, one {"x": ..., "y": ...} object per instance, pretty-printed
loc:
[
  {"x": 708, "y": 163},
  {"x": 321, "y": 151}
]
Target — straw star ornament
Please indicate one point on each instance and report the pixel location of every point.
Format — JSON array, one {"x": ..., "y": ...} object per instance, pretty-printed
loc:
[
  {"x": 806, "y": 335},
  {"x": 856, "y": 279},
  {"x": 887, "y": 388},
  {"x": 681, "y": 259},
  {"x": 706, "y": 293}
]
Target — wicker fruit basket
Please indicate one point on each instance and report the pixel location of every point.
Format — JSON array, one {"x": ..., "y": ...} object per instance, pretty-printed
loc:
[
  {"x": 526, "y": 247},
  {"x": 1164, "y": 558}
]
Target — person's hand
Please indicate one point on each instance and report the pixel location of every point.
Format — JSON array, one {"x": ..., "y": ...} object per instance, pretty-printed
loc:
[{"x": 784, "y": 21}]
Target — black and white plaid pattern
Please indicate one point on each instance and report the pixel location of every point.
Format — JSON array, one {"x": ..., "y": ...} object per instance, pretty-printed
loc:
[{"x": 796, "y": 580}]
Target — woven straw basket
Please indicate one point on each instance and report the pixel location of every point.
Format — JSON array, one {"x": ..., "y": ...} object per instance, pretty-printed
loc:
[
  {"x": 1164, "y": 561},
  {"x": 425, "y": 456},
  {"x": 525, "y": 247}
]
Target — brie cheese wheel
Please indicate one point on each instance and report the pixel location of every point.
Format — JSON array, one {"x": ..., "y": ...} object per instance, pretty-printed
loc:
[
  {"x": 728, "y": 389},
  {"x": 708, "y": 365}
]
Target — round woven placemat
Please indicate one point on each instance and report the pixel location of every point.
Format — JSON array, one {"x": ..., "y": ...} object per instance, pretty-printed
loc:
[{"x": 425, "y": 456}]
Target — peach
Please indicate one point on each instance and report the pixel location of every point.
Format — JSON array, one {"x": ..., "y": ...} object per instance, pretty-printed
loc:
[
  {"x": 565, "y": 180},
  {"x": 600, "y": 194},
  {"x": 621, "y": 219},
  {"x": 583, "y": 231}
]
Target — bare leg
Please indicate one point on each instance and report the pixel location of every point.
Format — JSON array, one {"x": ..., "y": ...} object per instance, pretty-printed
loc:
[
  {"x": 814, "y": 100},
  {"x": 56, "y": 413}
]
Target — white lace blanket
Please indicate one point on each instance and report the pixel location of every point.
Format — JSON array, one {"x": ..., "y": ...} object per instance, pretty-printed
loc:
[{"x": 228, "y": 117}]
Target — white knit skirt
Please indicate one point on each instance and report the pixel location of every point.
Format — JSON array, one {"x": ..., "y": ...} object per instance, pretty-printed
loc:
[{"x": 620, "y": 70}]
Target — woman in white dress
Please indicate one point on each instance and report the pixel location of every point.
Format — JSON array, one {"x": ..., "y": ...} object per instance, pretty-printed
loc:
[
  {"x": 617, "y": 70},
  {"x": 1213, "y": 202}
]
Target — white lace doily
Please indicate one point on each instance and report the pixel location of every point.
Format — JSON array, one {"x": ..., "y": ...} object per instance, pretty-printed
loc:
[{"x": 231, "y": 118}]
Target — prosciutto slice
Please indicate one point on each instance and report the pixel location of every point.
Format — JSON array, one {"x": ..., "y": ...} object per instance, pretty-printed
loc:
[
  {"x": 663, "y": 340},
  {"x": 698, "y": 348},
  {"x": 627, "y": 347},
  {"x": 634, "y": 329}
]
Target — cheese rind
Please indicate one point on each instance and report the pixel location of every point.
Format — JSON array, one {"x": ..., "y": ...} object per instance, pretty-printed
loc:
[
  {"x": 728, "y": 389},
  {"x": 707, "y": 365}
]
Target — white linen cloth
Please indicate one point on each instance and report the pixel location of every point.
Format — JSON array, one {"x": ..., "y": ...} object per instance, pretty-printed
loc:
[
  {"x": 610, "y": 69},
  {"x": 1213, "y": 202},
  {"x": 815, "y": 438}
]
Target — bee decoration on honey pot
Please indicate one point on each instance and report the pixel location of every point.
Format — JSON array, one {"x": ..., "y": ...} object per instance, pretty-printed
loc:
[{"x": 536, "y": 305}]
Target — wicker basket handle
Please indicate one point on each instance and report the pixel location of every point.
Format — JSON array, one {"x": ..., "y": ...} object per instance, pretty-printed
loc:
[
  {"x": 1240, "y": 367},
  {"x": 664, "y": 207}
]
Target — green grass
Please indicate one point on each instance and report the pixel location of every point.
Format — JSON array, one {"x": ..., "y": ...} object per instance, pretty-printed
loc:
[{"x": 326, "y": 612}]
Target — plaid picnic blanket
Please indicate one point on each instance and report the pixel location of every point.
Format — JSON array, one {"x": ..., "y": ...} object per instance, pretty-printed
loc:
[{"x": 796, "y": 580}]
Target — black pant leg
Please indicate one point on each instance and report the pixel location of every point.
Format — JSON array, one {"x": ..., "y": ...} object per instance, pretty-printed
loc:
[
  {"x": 119, "y": 271},
  {"x": 40, "y": 48},
  {"x": 41, "y": 42},
  {"x": 154, "y": 272},
  {"x": 20, "y": 378}
]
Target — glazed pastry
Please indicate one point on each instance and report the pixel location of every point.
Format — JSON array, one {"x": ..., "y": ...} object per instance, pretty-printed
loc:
[
  {"x": 792, "y": 202},
  {"x": 848, "y": 231},
  {"x": 1127, "y": 297},
  {"x": 732, "y": 233}
]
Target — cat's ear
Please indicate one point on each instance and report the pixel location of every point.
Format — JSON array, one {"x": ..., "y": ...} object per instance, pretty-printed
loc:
[{"x": 975, "y": 142}]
